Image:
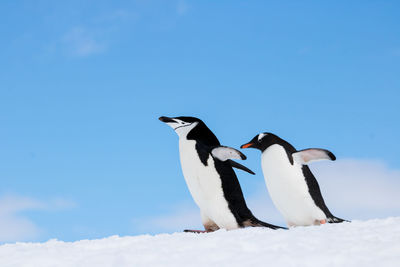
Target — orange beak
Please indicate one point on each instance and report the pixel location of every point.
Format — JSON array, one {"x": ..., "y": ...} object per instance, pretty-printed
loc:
[{"x": 246, "y": 145}]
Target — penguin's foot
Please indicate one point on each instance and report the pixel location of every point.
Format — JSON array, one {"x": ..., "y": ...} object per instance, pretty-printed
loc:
[
  {"x": 319, "y": 222},
  {"x": 210, "y": 227},
  {"x": 291, "y": 225},
  {"x": 195, "y": 231}
]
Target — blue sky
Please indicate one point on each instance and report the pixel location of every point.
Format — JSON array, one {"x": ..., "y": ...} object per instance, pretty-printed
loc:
[{"x": 82, "y": 154}]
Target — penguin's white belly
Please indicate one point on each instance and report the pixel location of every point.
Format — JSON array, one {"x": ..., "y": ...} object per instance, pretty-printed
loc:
[
  {"x": 288, "y": 189},
  {"x": 205, "y": 186}
]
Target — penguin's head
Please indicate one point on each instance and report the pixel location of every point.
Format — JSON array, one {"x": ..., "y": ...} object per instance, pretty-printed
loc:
[
  {"x": 262, "y": 141},
  {"x": 191, "y": 128},
  {"x": 181, "y": 125}
]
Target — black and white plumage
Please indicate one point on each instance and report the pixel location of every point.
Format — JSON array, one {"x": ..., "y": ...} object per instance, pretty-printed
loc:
[
  {"x": 291, "y": 184},
  {"x": 212, "y": 182}
]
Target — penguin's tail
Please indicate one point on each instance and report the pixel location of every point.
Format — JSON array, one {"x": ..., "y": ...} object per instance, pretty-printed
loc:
[
  {"x": 333, "y": 219},
  {"x": 257, "y": 223}
]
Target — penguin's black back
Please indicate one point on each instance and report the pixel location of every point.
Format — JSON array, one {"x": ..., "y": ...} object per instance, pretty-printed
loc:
[
  {"x": 312, "y": 183},
  {"x": 315, "y": 192},
  {"x": 232, "y": 191},
  {"x": 203, "y": 134},
  {"x": 205, "y": 142}
]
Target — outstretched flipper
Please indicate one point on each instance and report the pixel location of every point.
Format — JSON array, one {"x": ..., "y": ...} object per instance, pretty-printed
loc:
[
  {"x": 225, "y": 153},
  {"x": 236, "y": 165},
  {"x": 309, "y": 155}
]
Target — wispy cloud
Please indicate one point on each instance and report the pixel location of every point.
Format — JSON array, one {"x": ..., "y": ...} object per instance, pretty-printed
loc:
[
  {"x": 180, "y": 217},
  {"x": 182, "y": 8},
  {"x": 352, "y": 189},
  {"x": 15, "y": 226},
  {"x": 117, "y": 15},
  {"x": 80, "y": 41},
  {"x": 361, "y": 189}
]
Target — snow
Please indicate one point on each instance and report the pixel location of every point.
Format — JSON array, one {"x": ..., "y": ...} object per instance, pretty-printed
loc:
[{"x": 360, "y": 243}]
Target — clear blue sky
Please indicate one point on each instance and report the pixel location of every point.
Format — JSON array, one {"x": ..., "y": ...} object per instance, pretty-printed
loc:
[{"x": 82, "y": 84}]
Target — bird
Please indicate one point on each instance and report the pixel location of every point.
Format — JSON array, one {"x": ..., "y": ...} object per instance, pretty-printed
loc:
[
  {"x": 208, "y": 171},
  {"x": 293, "y": 188}
]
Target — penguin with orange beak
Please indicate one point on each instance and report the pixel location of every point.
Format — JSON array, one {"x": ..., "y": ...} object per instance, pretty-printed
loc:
[{"x": 291, "y": 184}]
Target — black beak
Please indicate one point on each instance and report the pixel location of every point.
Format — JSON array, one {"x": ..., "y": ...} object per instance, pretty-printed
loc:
[{"x": 166, "y": 119}]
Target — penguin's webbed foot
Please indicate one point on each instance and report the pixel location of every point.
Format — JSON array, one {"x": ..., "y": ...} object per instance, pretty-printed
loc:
[{"x": 319, "y": 222}]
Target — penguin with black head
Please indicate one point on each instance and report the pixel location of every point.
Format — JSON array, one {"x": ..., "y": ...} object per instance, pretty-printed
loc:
[
  {"x": 291, "y": 184},
  {"x": 207, "y": 168}
]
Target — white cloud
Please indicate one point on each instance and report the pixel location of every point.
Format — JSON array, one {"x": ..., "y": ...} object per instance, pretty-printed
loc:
[
  {"x": 82, "y": 42},
  {"x": 14, "y": 226},
  {"x": 182, "y": 216},
  {"x": 117, "y": 15},
  {"x": 352, "y": 189},
  {"x": 182, "y": 8},
  {"x": 361, "y": 189}
]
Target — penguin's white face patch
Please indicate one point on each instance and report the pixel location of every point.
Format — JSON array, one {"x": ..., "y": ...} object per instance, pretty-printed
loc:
[
  {"x": 181, "y": 127},
  {"x": 261, "y": 136}
]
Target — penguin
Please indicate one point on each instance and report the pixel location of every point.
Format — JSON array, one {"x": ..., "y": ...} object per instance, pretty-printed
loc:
[
  {"x": 208, "y": 171},
  {"x": 291, "y": 184}
]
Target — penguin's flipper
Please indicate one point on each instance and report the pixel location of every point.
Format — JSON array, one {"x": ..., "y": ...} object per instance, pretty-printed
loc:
[
  {"x": 309, "y": 155},
  {"x": 224, "y": 153},
  {"x": 236, "y": 165}
]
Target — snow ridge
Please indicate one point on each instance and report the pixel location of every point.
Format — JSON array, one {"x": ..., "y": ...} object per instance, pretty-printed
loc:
[{"x": 360, "y": 243}]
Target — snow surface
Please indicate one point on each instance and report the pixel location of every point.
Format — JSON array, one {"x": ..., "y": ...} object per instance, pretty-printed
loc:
[{"x": 360, "y": 243}]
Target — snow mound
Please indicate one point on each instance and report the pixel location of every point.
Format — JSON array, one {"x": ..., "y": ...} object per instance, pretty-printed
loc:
[{"x": 360, "y": 243}]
